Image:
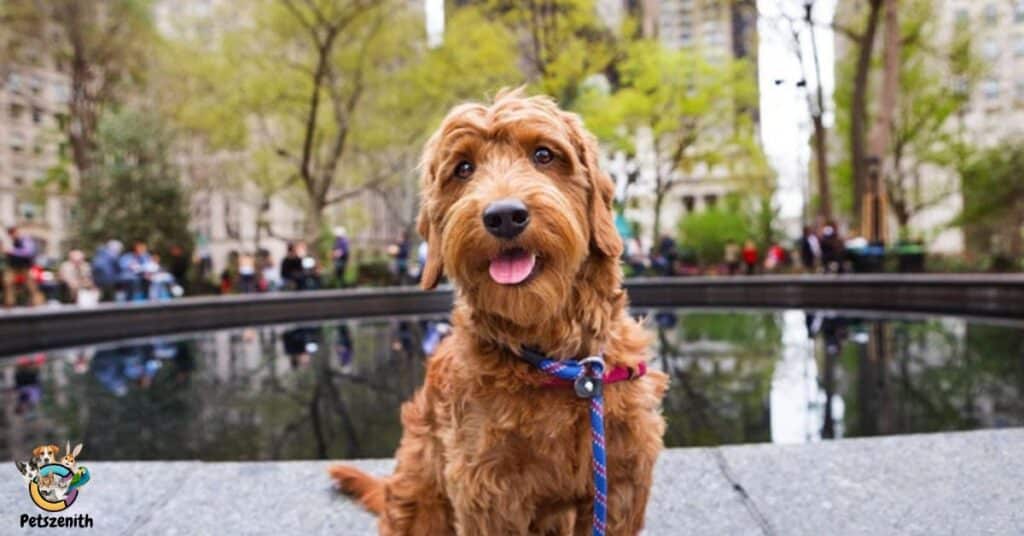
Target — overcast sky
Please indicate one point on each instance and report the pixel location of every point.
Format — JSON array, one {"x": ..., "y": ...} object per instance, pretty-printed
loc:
[{"x": 785, "y": 122}]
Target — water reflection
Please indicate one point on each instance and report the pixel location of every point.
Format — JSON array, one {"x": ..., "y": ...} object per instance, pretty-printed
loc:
[{"x": 334, "y": 390}]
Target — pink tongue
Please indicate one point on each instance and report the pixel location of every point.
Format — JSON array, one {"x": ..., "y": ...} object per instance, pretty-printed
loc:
[{"x": 511, "y": 269}]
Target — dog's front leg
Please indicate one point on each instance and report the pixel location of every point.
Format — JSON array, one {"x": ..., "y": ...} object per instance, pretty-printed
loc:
[{"x": 488, "y": 498}]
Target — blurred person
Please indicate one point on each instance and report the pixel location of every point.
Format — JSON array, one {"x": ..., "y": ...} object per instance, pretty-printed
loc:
[
  {"x": 291, "y": 267},
  {"x": 340, "y": 255},
  {"x": 178, "y": 265},
  {"x": 636, "y": 252},
  {"x": 810, "y": 250},
  {"x": 750, "y": 256},
  {"x": 161, "y": 282},
  {"x": 246, "y": 274},
  {"x": 270, "y": 277},
  {"x": 667, "y": 255},
  {"x": 106, "y": 271},
  {"x": 229, "y": 275},
  {"x": 775, "y": 258},
  {"x": 399, "y": 252},
  {"x": 833, "y": 251},
  {"x": 732, "y": 257},
  {"x": 132, "y": 272},
  {"x": 421, "y": 259},
  {"x": 21, "y": 254},
  {"x": 76, "y": 276}
]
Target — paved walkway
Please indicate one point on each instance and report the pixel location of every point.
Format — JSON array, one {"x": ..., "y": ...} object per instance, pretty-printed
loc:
[{"x": 958, "y": 483}]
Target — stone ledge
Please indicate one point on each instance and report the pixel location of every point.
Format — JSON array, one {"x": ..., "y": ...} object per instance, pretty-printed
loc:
[{"x": 956, "y": 483}]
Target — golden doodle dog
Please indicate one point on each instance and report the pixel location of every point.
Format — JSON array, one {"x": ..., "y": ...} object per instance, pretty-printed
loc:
[{"x": 518, "y": 215}]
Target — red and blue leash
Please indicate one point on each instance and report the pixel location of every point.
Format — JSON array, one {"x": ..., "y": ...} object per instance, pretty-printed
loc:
[{"x": 588, "y": 377}]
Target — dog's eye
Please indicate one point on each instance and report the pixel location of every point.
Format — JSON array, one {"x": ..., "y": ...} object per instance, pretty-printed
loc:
[
  {"x": 464, "y": 169},
  {"x": 543, "y": 155}
]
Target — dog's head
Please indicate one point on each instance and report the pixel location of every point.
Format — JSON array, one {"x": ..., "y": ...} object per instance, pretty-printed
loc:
[
  {"x": 515, "y": 206},
  {"x": 45, "y": 454}
]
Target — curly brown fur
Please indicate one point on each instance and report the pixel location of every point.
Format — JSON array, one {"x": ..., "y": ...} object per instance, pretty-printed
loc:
[{"x": 486, "y": 448}]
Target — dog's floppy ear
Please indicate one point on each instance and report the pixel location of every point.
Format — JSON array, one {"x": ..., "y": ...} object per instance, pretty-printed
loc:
[
  {"x": 603, "y": 235},
  {"x": 432, "y": 269}
]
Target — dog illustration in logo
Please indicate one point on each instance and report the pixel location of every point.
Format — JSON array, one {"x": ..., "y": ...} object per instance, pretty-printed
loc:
[{"x": 45, "y": 454}]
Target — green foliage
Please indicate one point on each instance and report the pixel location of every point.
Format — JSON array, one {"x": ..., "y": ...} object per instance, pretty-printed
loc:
[
  {"x": 561, "y": 42},
  {"x": 133, "y": 192},
  {"x": 709, "y": 231},
  {"x": 994, "y": 185},
  {"x": 937, "y": 76},
  {"x": 692, "y": 107}
]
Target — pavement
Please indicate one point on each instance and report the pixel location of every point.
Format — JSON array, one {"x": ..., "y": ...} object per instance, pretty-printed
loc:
[{"x": 934, "y": 484}]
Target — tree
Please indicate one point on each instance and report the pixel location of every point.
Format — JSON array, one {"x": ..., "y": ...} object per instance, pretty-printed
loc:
[
  {"x": 936, "y": 82},
  {"x": 562, "y": 42},
  {"x": 994, "y": 195},
  {"x": 690, "y": 107},
  {"x": 133, "y": 190},
  {"x": 922, "y": 144},
  {"x": 864, "y": 44},
  {"x": 103, "y": 43},
  {"x": 309, "y": 70}
]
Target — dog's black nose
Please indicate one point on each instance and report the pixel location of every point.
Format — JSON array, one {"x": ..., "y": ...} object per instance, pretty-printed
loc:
[{"x": 506, "y": 218}]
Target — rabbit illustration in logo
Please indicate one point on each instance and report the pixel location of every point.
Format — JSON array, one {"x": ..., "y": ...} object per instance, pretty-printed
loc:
[
  {"x": 29, "y": 470},
  {"x": 69, "y": 458}
]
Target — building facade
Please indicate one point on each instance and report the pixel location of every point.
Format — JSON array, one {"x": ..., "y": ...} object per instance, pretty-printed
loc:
[{"x": 34, "y": 94}]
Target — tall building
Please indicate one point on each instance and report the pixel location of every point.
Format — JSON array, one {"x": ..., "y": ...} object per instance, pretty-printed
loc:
[{"x": 34, "y": 94}]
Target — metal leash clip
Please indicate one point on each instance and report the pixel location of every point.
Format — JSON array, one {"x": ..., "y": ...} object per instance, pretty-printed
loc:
[{"x": 589, "y": 383}]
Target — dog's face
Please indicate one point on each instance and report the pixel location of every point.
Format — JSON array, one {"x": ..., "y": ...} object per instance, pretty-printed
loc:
[
  {"x": 514, "y": 205},
  {"x": 45, "y": 454}
]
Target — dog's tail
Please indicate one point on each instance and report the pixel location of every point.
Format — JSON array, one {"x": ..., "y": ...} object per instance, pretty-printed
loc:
[{"x": 367, "y": 489}]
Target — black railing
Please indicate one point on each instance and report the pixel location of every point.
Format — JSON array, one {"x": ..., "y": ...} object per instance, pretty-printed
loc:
[{"x": 994, "y": 297}]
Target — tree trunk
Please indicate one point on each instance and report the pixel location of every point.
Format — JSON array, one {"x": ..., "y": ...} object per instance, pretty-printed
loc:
[
  {"x": 820, "y": 142},
  {"x": 881, "y": 132},
  {"x": 659, "y": 198},
  {"x": 821, "y": 157},
  {"x": 858, "y": 108}
]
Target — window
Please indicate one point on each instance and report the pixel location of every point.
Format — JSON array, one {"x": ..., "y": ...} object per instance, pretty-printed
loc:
[
  {"x": 990, "y": 50},
  {"x": 37, "y": 115},
  {"x": 28, "y": 211},
  {"x": 14, "y": 82},
  {"x": 962, "y": 17},
  {"x": 991, "y": 14},
  {"x": 689, "y": 203},
  {"x": 710, "y": 200},
  {"x": 60, "y": 92},
  {"x": 15, "y": 111},
  {"x": 1018, "y": 11},
  {"x": 35, "y": 84},
  {"x": 17, "y": 141},
  {"x": 1018, "y": 46},
  {"x": 1019, "y": 89},
  {"x": 990, "y": 88}
]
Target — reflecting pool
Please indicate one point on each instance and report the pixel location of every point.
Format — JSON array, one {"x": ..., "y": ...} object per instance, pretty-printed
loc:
[{"x": 333, "y": 390}]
